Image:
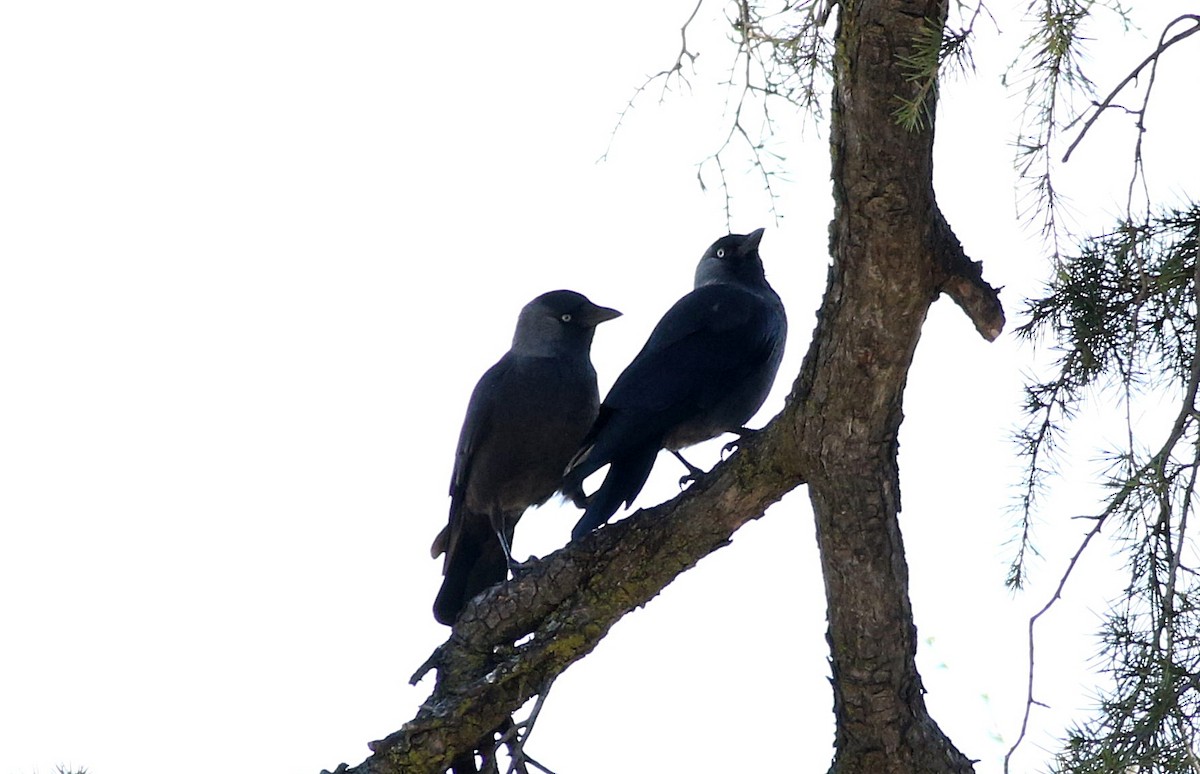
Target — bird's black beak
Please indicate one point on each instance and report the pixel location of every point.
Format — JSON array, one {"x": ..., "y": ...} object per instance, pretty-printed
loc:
[
  {"x": 595, "y": 315},
  {"x": 752, "y": 240}
]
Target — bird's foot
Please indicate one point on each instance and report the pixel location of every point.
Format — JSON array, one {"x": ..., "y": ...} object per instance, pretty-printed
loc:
[
  {"x": 693, "y": 471},
  {"x": 519, "y": 570},
  {"x": 743, "y": 433}
]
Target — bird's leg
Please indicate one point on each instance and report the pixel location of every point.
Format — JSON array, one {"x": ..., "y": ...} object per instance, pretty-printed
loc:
[
  {"x": 515, "y": 568},
  {"x": 742, "y": 433},
  {"x": 693, "y": 471}
]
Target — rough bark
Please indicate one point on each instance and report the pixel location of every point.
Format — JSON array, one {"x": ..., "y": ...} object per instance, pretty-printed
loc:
[{"x": 893, "y": 253}]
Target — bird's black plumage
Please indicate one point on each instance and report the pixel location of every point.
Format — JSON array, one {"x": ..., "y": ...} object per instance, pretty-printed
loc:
[
  {"x": 706, "y": 368},
  {"x": 526, "y": 417}
]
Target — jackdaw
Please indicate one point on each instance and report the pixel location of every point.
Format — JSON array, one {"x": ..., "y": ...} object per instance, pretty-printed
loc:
[
  {"x": 527, "y": 416},
  {"x": 706, "y": 368}
]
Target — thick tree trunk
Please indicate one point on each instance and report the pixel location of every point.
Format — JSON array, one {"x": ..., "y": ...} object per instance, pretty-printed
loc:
[
  {"x": 887, "y": 239},
  {"x": 892, "y": 254}
]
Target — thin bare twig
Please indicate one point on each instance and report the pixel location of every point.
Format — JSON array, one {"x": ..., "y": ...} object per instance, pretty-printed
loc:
[
  {"x": 665, "y": 75},
  {"x": 1029, "y": 700},
  {"x": 1163, "y": 45},
  {"x": 516, "y": 740},
  {"x": 744, "y": 58}
]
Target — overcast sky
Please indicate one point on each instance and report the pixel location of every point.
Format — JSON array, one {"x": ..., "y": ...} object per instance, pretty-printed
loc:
[{"x": 253, "y": 258}]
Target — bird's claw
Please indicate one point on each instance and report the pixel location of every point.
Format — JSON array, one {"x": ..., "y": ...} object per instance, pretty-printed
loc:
[
  {"x": 519, "y": 570},
  {"x": 743, "y": 433}
]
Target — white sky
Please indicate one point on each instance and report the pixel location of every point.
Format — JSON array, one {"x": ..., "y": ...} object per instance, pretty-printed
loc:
[{"x": 253, "y": 257}]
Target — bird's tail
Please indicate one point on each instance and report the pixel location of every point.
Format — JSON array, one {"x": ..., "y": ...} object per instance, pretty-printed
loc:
[
  {"x": 475, "y": 563},
  {"x": 625, "y": 478}
]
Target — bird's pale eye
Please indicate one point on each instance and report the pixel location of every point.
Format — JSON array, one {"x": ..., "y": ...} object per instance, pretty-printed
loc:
[
  {"x": 566, "y": 317},
  {"x": 720, "y": 252}
]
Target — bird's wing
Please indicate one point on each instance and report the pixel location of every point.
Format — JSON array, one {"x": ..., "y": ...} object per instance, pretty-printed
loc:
[
  {"x": 703, "y": 349},
  {"x": 480, "y": 413},
  {"x": 705, "y": 344},
  {"x": 708, "y": 340}
]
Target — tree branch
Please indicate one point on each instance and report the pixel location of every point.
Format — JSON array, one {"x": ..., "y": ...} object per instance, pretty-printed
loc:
[
  {"x": 675, "y": 70},
  {"x": 1062, "y": 582},
  {"x": 565, "y": 604},
  {"x": 1163, "y": 45},
  {"x": 964, "y": 282}
]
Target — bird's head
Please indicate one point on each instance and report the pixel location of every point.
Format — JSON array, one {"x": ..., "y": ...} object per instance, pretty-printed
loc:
[
  {"x": 732, "y": 258},
  {"x": 558, "y": 320}
]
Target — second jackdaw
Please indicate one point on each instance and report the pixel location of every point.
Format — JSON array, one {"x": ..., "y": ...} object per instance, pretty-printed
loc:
[
  {"x": 527, "y": 416},
  {"x": 705, "y": 370}
]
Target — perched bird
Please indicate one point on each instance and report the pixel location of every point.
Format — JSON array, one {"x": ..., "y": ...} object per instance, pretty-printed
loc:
[
  {"x": 527, "y": 416},
  {"x": 706, "y": 368}
]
